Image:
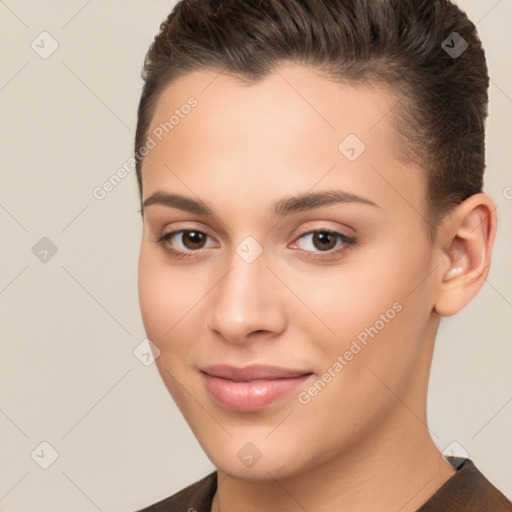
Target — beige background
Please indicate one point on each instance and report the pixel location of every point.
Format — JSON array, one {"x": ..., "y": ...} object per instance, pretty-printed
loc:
[{"x": 68, "y": 375}]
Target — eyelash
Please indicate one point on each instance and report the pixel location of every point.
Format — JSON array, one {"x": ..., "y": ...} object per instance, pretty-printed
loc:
[{"x": 348, "y": 242}]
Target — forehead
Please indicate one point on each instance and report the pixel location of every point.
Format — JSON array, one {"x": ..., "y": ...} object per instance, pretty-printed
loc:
[
  {"x": 293, "y": 97},
  {"x": 286, "y": 132}
]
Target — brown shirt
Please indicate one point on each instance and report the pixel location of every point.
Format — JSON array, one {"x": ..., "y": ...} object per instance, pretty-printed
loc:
[{"x": 466, "y": 491}]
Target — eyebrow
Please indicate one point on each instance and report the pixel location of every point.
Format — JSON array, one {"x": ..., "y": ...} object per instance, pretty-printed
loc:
[{"x": 280, "y": 208}]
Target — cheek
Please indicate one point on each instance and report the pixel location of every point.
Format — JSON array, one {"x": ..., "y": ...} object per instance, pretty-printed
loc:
[
  {"x": 166, "y": 297},
  {"x": 350, "y": 298},
  {"x": 165, "y": 294},
  {"x": 381, "y": 302},
  {"x": 152, "y": 295}
]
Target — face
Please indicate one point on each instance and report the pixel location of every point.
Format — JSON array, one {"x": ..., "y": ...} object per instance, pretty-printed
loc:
[{"x": 283, "y": 272}]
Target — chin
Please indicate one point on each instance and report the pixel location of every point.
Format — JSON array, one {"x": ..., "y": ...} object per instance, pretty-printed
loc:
[
  {"x": 257, "y": 460},
  {"x": 263, "y": 470}
]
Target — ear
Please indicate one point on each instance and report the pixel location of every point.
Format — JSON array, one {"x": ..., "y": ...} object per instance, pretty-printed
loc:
[{"x": 465, "y": 243}]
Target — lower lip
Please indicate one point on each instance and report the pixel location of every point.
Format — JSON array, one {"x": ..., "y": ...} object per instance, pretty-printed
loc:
[{"x": 251, "y": 395}]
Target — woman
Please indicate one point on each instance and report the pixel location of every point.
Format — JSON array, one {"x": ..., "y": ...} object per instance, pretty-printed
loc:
[{"x": 310, "y": 176}]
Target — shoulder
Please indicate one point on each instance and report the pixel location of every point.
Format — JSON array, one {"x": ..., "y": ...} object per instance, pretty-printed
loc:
[
  {"x": 467, "y": 491},
  {"x": 197, "y": 497}
]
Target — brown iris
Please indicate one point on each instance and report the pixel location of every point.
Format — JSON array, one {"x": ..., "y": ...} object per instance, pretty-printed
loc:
[
  {"x": 322, "y": 238},
  {"x": 196, "y": 239}
]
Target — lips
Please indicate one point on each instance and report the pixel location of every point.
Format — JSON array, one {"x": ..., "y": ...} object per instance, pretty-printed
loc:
[{"x": 252, "y": 387}]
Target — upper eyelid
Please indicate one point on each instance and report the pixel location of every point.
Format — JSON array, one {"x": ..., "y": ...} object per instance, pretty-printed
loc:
[
  {"x": 324, "y": 227},
  {"x": 177, "y": 230}
]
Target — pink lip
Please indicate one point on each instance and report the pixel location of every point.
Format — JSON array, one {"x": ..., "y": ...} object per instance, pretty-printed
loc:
[{"x": 252, "y": 387}]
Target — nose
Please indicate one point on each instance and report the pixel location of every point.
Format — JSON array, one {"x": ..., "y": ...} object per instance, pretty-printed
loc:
[{"x": 247, "y": 303}]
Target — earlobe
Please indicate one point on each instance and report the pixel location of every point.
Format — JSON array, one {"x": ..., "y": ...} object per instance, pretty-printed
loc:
[{"x": 467, "y": 243}]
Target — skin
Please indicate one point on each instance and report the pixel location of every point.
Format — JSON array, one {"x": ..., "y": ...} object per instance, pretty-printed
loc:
[{"x": 362, "y": 443}]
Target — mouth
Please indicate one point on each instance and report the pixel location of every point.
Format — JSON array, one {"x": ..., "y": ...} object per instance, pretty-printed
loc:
[{"x": 252, "y": 387}]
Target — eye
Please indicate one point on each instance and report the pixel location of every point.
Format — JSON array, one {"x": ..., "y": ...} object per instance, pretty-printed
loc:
[
  {"x": 325, "y": 241},
  {"x": 184, "y": 243},
  {"x": 187, "y": 242}
]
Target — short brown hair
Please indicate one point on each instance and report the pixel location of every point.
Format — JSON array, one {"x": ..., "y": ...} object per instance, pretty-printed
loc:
[{"x": 395, "y": 43}]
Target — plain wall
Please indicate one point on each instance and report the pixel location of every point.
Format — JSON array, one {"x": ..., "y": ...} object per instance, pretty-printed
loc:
[{"x": 68, "y": 375}]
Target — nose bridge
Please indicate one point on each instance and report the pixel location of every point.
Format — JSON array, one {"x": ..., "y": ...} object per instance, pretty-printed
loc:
[{"x": 242, "y": 303}]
